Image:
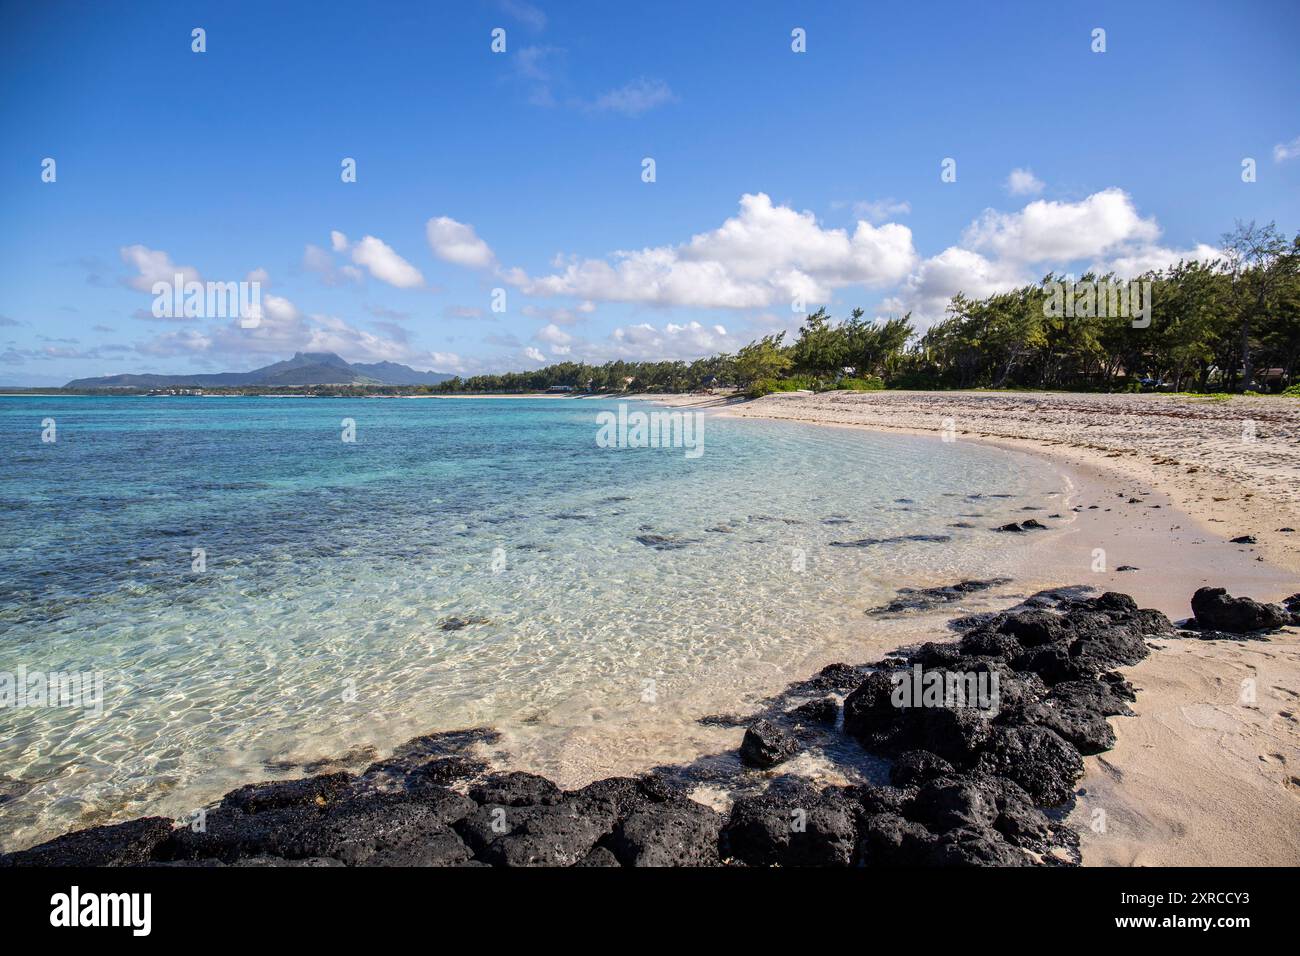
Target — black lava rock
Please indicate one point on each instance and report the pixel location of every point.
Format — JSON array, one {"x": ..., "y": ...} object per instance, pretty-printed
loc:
[
  {"x": 1036, "y": 758},
  {"x": 678, "y": 832},
  {"x": 1216, "y": 610},
  {"x": 516, "y": 789},
  {"x": 795, "y": 827},
  {"x": 766, "y": 745},
  {"x": 119, "y": 844},
  {"x": 824, "y": 711}
]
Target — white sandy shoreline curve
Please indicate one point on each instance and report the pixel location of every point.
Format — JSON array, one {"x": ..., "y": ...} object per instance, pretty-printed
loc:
[{"x": 1208, "y": 771}]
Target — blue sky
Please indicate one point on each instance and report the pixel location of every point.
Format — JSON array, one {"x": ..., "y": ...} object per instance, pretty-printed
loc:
[{"x": 781, "y": 178}]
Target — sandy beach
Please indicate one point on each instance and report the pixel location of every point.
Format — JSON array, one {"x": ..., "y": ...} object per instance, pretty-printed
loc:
[{"x": 1208, "y": 771}]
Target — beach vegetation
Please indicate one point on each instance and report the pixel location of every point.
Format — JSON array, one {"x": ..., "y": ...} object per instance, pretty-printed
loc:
[
  {"x": 868, "y": 383},
  {"x": 1231, "y": 325}
]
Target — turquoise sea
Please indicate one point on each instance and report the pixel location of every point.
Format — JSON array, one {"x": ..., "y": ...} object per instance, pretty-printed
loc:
[{"x": 461, "y": 563}]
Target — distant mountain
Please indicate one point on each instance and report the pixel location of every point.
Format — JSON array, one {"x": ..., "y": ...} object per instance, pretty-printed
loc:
[
  {"x": 390, "y": 373},
  {"x": 305, "y": 368}
]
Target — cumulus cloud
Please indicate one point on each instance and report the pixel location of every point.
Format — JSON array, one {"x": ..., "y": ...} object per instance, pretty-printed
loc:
[
  {"x": 1062, "y": 231},
  {"x": 383, "y": 262},
  {"x": 560, "y": 341},
  {"x": 371, "y": 253},
  {"x": 672, "y": 341},
  {"x": 1023, "y": 182},
  {"x": 1000, "y": 251},
  {"x": 927, "y": 291},
  {"x": 458, "y": 243},
  {"x": 535, "y": 354},
  {"x": 765, "y": 254},
  {"x": 154, "y": 265}
]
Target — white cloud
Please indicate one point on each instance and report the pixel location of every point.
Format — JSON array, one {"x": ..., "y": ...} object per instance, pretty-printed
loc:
[
  {"x": 633, "y": 99},
  {"x": 279, "y": 309},
  {"x": 1062, "y": 231},
  {"x": 385, "y": 264},
  {"x": 1284, "y": 151},
  {"x": 1023, "y": 182},
  {"x": 154, "y": 265},
  {"x": 553, "y": 335},
  {"x": 283, "y": 330},
  {"x": 880, "y": 210},
  {"x": 338, "y": 241},
  {"x": 1150, "y": 258},
  {"x": 927, "y": 291},
  {"x": 458, "y": 243},
  {"x": 258, "y": 275},
  {"x": 765, "y": 254},
  {"x": 1001, "y": 251},
  {"x": 674, "y": 341},
  {"x": 534, "y": 354}
]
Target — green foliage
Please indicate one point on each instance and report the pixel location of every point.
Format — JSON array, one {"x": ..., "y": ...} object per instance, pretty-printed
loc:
[
  {"x": 869, "y": 383},
  {"x": 794, "y": 383},
  {"x": 1293, "y": 391},
  {"x": 822, "y": 347},
  {"x": 763, "y": 359}
]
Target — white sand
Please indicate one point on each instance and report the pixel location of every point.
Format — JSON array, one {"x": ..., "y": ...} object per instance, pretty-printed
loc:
[{"x": 1208, "y": 771}]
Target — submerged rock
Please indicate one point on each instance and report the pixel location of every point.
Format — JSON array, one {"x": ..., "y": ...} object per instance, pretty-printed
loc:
[
  {"x": 11, "y": 789},
  {"x": 663, "y": 542},
  {"x": 920, "y": 599},
  {"x": 460, "y": 623},
  {"x": 872, "y": 542}
]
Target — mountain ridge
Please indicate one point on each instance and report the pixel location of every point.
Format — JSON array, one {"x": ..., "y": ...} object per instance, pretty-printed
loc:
[{"x": 304, "y": 368}]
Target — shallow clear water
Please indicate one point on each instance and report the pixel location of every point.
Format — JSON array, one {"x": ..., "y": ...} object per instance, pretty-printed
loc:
[{"x": 317, "y": 625}]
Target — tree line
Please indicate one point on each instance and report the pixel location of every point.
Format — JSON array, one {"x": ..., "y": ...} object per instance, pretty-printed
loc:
[{"x": 1232, "y": 324}]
